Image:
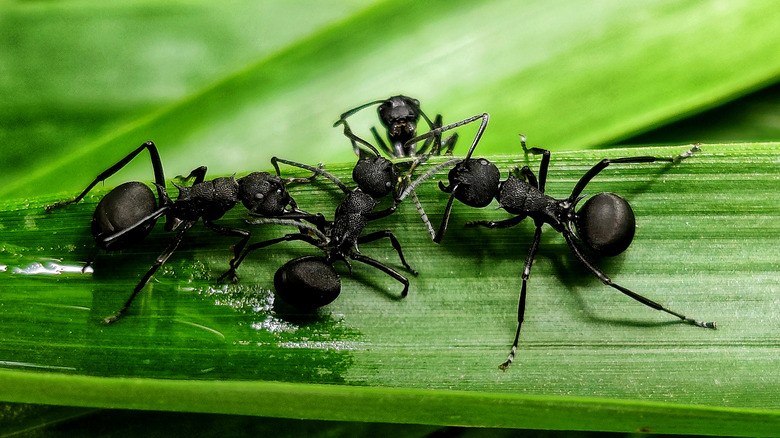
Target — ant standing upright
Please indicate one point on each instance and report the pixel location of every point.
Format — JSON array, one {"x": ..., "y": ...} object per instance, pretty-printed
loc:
[
  {"x": 400, "y": 114},
  {"x": 310, "y": 282}
]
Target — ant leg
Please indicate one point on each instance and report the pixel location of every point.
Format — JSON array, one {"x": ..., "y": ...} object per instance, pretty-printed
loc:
[
  {"x": 355, "y": 140},
  {"x": 429, "y": 173},
  {"x": 603, "y": 164},
  {"x": 161, "y": 259},
  {"x": 231, "y": 232},
  {"x": 317, "y": 170},
  {"x": 302, "y": 180},
  {"x": 607, "y": 281},
  {"x": 446, "y": 219},
  {"x": 318, "y": 219},
  {"x": 423, "y": 215},
  {"x": 384, "y": 268},
  {"x": 521, "y": 303},
  {"x": 289, "y": 237},
  {"x": 396, "y": 245},
  {"x": 435, "y": 140},
  {"x": 437, "y": 131},
  {"x": 543, "y": 166},
  {"x": 526, "y": 174},
  {"x": 506, "y": 223},
  {"x": 381, "y": 143},
  {"x": 436, "y": 236},
  {"x": 104, "y": 242},
  {"x": 159, "y": 176},
  {"x": 450, "y": 143}
]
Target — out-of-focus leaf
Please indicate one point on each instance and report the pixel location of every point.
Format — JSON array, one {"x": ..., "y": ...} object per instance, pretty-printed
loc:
[{"x": 567, "y": 74}]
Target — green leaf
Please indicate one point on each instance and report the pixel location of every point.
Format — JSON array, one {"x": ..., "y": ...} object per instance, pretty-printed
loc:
[{"x": 589, "y": 358}]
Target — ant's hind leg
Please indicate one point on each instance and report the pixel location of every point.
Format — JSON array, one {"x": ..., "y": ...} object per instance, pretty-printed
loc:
[
  {"x": 607, "y": 281},
  {"x": 159, "y": 176},
  {"x": 255, "y": 246}
]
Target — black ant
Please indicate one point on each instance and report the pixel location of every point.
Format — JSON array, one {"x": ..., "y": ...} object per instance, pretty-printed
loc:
[
  {"x": 371, "y": 164},
  {"x": 128, "y": 213},
  {"x": 604, "y": 224},
  {"x": 399, "y": 115},
  {"x": 310, "y": 282}
]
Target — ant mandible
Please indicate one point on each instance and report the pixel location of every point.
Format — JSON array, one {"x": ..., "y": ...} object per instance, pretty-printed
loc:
[
  {"x": 128, "y": 213},
  {"x": 604, "y": 224}
]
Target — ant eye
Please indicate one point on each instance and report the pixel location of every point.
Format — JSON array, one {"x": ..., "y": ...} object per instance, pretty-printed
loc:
[{"x": 259, "y": 196}]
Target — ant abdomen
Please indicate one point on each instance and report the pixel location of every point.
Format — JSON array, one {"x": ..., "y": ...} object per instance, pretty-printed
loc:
[
  {"x": 122, "y": 208},
  {"x": 307, "y": 283},
  {"x": 606, "y": 224}
]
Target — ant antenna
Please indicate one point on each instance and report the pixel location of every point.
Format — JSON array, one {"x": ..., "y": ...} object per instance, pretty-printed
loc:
[
  {"x": 349, "y": 113},
  {"x": 485, "y": 118}
]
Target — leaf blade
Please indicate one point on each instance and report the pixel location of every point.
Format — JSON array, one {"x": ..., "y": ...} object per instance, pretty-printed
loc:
[{"x": 704, "y": 245}]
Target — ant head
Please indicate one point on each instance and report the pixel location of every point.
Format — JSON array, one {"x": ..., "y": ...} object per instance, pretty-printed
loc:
[
  {"x": 307, "y": 282},
  {"x": 475, "y": 181},
  {"x": 399, "y": 114},
  {"x": 123, "y": 208},
  {"x": 376, "y": 176},
  {"x": 606, "y": 224},
  {"x": 263, "y": 193}
]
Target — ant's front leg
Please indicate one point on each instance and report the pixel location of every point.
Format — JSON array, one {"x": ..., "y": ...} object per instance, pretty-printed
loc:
[{"x": 603, "y": 164}]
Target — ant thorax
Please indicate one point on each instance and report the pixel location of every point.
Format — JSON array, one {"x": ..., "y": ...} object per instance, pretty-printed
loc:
[{"x": 209, "y": 200}]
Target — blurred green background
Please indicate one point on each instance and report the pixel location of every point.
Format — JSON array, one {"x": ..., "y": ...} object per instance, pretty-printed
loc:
[
  {"x": 230, "y": 84},
  {"x": 236, "y": 82}
]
